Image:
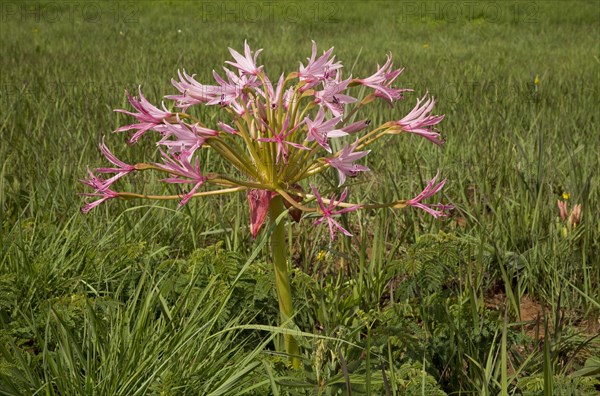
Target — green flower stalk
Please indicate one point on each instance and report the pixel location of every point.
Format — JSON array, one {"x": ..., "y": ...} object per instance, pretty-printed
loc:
[{"x": 276, "y": 137}]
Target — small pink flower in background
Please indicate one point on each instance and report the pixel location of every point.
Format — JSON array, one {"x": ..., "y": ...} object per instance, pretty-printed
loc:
[
  {"x": 149, "y": 116},
  {"x": 344, "y": 162},
  {"x": 574, "y": 218},
  {"x": 562, "y": 209},
  {"x": 419, "y": 121},
  {"x": 320, "y": 130},
  {"x": 436, "y": 210},
  {"x": 328, "y": 212}
]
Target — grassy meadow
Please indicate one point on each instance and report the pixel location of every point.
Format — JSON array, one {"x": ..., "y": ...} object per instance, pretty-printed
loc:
[{"x": 142, "y": 298}]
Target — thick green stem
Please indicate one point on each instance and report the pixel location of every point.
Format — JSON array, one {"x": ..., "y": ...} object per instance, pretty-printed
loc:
[{"x": 282, "y": 281}]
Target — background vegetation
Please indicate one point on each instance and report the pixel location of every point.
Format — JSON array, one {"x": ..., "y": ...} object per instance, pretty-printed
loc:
[{"x": 142, "y": 298}]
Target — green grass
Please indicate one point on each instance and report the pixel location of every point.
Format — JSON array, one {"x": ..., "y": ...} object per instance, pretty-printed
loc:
[{"x": 142, "y": 297}]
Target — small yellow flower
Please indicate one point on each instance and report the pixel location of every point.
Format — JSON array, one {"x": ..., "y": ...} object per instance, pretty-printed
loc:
[
  {"x": 321, "y": 255},
  {"x": 565, "y": 195},
  {"x": 536, "y": 80},
  {"x": 426, "y": 45}
]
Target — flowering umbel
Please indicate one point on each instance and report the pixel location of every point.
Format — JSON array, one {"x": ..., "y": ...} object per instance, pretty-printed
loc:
[{"x": 277, "y": 136}]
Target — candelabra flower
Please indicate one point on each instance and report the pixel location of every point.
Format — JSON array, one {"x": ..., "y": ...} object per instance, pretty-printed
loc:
[{"x": 277, "y": 137}]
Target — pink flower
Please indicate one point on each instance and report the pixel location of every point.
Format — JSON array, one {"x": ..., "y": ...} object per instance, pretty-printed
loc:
[
  {"x": 356, "y": 126},
  {"x": 331, "y": 96},
  {"x": 185, "y": 173},
  {"x": 437, "y": 210},
  {"x": 320, "y": 130},
  {"x": 419, "y": 121},
  {"x": 101, "y": 189},
  {"x": 388, "y": 91},
  {"x": 245, "y": 64},
  {"x": 328, "y": 212},
  {"x": 227, "y": 128},
  {"x": 344, "y": 162},
  {"x": 238, "y": 108},
  {"x": 192, "y": 91},
  {"x": 121, "y": 170},
  {"x": 574, "y": 218},
  {"x": 273, "y": 94},
  {"x": 279, "y": 139},
  {"x": 233, "y": 88},
  {"x": 287, "y": 97},
  {"x": 149, "y": 116},
  {"x": 318, "y": 70},
  {"x": 563, "y": 210},
  {"x": 188, "y": 138},
  {"x": 229, "y": 90},
  {"x": 259, "y": 201},
  {"x": 381, "y": 82}
]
